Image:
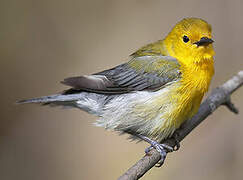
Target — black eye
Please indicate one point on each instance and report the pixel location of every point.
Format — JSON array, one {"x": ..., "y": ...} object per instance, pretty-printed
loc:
[{"x": 185, "y": 39}]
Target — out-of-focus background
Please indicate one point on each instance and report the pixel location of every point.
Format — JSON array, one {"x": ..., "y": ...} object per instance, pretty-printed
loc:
[{"x": 42, "y": 42}]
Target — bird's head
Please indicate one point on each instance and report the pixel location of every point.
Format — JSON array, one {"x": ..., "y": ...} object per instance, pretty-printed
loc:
[{"x": 190, "y": 41}]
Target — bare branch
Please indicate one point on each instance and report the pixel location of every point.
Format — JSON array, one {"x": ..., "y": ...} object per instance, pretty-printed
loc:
[{"x": 219, "y": 96}]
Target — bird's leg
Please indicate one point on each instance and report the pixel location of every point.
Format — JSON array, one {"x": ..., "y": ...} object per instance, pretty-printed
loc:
[{"x": 161, "y": 148}]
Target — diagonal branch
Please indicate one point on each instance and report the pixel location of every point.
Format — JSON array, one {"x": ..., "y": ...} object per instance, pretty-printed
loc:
[{"x": 219, "y": 96}]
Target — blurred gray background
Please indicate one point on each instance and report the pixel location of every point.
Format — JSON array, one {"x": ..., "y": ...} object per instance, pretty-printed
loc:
[{"x": 42, "y": 42}]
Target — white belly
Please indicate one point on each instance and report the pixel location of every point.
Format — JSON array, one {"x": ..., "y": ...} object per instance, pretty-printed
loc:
[{"x": 140, "y": 112}]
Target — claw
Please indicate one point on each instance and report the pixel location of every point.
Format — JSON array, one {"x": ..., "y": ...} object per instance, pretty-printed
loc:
[{"x": 148, "y": 149}]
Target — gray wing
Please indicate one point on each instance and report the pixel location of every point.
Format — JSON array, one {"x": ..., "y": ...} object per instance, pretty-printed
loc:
[{"x": 140, "y": 73}]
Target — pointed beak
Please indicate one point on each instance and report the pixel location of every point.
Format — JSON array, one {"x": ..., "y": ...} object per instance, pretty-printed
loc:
[{"x": 204, "y": 41}]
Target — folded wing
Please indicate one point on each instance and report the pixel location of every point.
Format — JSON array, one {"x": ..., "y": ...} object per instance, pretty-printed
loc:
[{"x": 140, "y": 73}]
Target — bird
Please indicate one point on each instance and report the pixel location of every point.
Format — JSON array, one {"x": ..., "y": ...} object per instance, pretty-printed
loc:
[{"x": 154, "y": 92}]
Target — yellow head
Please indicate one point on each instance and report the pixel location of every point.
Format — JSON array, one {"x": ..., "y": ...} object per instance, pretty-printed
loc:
[{"x": 190, "y": 41}]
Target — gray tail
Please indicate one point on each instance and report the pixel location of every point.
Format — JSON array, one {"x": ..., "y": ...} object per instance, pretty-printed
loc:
[
  {"x": 52, "y": 99},
  {"x": 89, "y": 102}
]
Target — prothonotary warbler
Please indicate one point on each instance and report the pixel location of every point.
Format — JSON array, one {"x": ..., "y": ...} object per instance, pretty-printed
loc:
[{"x": 151, "y": 95}]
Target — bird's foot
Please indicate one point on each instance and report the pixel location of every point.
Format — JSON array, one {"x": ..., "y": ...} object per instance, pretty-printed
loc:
[{"x": 161, "y": 148}]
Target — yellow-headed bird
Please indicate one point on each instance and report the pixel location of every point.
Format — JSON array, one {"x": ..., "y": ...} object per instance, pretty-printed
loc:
[{"x": 151, "y": 95}]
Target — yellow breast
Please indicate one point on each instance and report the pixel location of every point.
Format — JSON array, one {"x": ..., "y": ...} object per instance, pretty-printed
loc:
[
  {"x": 194, "y": 84},
  {"x": 184, "y": 97},
  {"x": 192, "y": 87}
]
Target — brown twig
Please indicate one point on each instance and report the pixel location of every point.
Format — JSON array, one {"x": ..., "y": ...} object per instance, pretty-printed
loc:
[{"x": 219, "y": 96}]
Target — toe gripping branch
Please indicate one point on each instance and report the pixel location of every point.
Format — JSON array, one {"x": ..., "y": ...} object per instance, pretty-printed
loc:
[{"x": 163, "y": 149}]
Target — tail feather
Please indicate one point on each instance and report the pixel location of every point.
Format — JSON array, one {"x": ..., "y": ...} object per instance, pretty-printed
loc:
[
  {"x": 89, "y": 102},
  {"x": 52, "y": 99}
]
